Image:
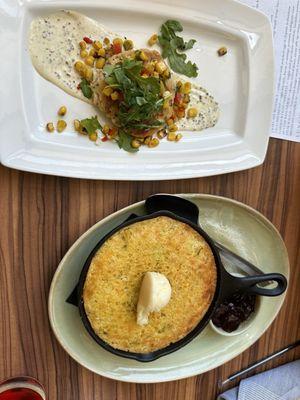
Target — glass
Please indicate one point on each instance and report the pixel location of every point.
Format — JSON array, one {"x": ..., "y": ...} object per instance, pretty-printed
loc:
[{"x": 21, "y": 388}]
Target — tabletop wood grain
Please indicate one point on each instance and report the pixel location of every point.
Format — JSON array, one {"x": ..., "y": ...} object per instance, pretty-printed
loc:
[{"x": 41, "y": 216}]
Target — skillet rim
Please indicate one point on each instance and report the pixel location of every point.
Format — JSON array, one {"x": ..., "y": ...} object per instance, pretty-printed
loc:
[{"x": 147, "y": 357}]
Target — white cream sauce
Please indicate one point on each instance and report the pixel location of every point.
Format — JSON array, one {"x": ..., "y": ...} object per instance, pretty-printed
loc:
[{"x": 53, "y": 46}]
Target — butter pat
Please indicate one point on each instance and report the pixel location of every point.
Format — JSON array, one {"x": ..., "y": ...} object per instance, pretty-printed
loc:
[{"x": 155, "y": 293}]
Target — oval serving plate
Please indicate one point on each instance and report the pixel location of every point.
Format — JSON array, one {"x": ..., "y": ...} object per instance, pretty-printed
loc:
[{"x": 235, "y": 225}]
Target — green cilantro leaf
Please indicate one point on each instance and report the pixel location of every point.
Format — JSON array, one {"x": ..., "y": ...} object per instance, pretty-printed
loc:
[
  {"x": 173, "y": 25},
  {"x": 86, "y": 89},
  {"x": 141, "y": 101},
  {"x": 124, "y": 142},
  {"x": 173, "y": 46},
  {"x": 91, "y": 124}
]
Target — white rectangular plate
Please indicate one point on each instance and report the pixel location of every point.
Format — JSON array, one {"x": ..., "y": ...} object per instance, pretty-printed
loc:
[{"x": 241, "y": 82}]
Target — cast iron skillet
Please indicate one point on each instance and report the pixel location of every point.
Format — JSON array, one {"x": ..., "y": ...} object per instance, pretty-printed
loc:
[{"x": 184, "y": 211}]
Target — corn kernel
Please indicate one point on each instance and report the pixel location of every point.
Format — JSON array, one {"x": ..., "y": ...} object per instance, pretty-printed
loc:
[
  {"x": 92, "y": 52},
  {"x": 152, "y": 40},
  {"x": 93, "y": 136},
  {"x": 222, "y": 51},
  {"x": 161, "y": 134},
  {"x": 178, "y": 84},
  {"x": 173, "y": 128},
  {"x": 88, "y": 74},
  {"x": 178, "y": 137},
  {"x": 118, "y": 41},
  {"x": 135, "y": 143},
  {"x": 186, "y": 98},
  {"x": 105, "y": 129},
  {"x": 166, "y": 104},
  {"x": 101, "y": 52},
  {"x": 142, "y": 56},
  {"x": 90, "y": 61},
  {"x": 100, "y": 63},
  {"x": 170, "y": 121},
  {"x": 50, "y": 127},
  {"x": 107, "y": 91},
  {"x": 147, "y": 140},
  {"x": 114, "y": 96},
  {"x": 192, "y": 112},
  {"x": 186, "y": 88},
  {"x": 171, "y": 136},
  {"x": 82, "y": 45},
  {"x": 145, "y": 75},
  {"x": 97, "y": 45},
  {"x": 62, "y": 111},
  {"x": 79, "y": 66},
  {"x": 77, "y": 125},
  {"x": 106, "y": 41},
  {"x": 61, "y": 125},
  {"x": 149, "y": 67},
  {"x": 167, "y": 74},
  {"x": 160, "y": 67},
  {"x": 153, "y": 142},
  {"x": 128, "y": 44},
  {"x": 156, "y": 74},
  {"x": 83, "y": 53}
]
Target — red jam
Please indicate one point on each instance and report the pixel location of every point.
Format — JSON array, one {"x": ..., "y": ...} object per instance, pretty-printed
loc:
[{"x": 233, "y": 311}]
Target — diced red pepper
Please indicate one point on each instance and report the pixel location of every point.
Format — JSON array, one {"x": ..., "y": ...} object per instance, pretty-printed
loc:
[
  {"x": 104, "y": 139},
  {"x": 78, "y": 86},
  {"x": 87, "y": 40},
  {"x": 177, "y": 98},
  {"x": 117, "y": 48}
]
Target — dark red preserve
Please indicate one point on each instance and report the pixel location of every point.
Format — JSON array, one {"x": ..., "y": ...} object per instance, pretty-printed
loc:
[{"x": 233, "y": 311}]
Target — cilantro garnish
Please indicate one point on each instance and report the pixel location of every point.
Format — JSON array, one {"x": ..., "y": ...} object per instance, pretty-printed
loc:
[
  {"x": 173, "y": 46},
  {"x": 91, "y": 124},
  {"x": 86, "y": 89},
  {"x": 124, "y": 142},
  {"x": 142, "y": 100}
]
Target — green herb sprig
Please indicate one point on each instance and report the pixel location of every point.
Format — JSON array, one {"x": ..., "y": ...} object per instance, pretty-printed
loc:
[
  {"x": 91, "y": 124},
  {"x": 86, "y": 89},
  {"x": 141, "y": 96},
  {"x": 141, "y": 101},
  {"x": 124, "y": 142},
  {"x": 173, "y": 47}
]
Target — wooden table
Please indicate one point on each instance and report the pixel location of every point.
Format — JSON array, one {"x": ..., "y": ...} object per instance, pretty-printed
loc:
[{"x": 41, "y": 216}]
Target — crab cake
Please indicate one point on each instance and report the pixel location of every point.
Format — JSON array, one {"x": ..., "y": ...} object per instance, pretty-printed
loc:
[
  {"x": 113, "y": 280},
  {"x": 111, "y": 107}
]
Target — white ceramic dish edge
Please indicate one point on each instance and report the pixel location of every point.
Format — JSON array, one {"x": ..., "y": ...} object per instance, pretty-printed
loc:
[{"x": 26, "y": 153}]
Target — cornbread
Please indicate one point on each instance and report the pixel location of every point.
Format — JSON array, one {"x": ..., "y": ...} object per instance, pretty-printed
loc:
[{"x": 113, "y": 281}]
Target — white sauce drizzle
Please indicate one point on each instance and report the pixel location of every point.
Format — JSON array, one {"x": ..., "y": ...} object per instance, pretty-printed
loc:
[{"x": 53, "y": 46}]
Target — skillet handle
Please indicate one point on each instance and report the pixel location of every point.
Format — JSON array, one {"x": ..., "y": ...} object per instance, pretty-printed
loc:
[
  {"x": 248, "y": 284},
  {"x": 175, "y": 204}
]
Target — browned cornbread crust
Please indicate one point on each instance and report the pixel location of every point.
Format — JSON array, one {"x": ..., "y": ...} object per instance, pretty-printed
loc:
[{"x": 111, "y": 289}]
